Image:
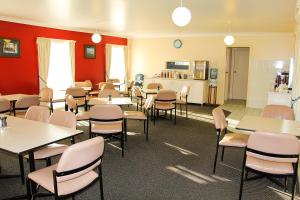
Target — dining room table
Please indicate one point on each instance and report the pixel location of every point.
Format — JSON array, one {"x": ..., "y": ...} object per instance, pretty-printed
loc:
[
  {"x": 120, "y": 101},
  {"x": 22, "y": 136},
  {"x": 257, "y": 123}
]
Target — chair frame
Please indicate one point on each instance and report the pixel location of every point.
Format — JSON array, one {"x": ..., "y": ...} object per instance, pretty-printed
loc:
[
  {"x": 247, "y": 169},
  {"x": 166, "y": 110},
  {"x": 78, "y": 97},
  {"x": 110, "y": 135},
  {"x": 186, "y": 106},
  {"x": 30, "y": 191}
]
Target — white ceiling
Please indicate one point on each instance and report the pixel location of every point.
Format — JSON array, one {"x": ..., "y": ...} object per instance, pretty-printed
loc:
[{"x": 153, "y": 17}]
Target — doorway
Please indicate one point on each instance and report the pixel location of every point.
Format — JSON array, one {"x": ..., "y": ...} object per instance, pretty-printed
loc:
[{"x": 237, "y": 68}]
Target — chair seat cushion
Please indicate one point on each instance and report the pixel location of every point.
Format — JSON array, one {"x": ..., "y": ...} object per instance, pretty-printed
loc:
[
  {"x": 50, "y": 151},
  {"x": 44, "y": 177},
  {"x": 269, "y": 166},
  {"x": 164, "y": 106},
  {"x": 234, "y": 140},
  {"x": 134, "y": 115},
  {"x": 108, "y": 128},
  {"x": 80, "y": 102},
  {"x": 94, "y": 92},
  {"x": 83, "y": 116}
]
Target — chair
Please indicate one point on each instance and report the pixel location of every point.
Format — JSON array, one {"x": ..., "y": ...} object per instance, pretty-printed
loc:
[
  {"x": 72, "y": 105},
  {"x": 154, "y": 86},
  {"x": 107, "y": 85},
  {"x": 183, "y": 99},
  {"x": 38, "y": 113},
  {"x": 128, "y": 92},
  {"x": 26, "y": 101},
  {"x": 229, "y": 139},
  {"x": 271, "y": 154},
  {"x": 46, "y": 96},
  {"x": 79, "y": 95},
  {"x": 108, "y": 122},
  {"x": 143, "y": 115},
  {"x": 139, "y": 80},
  {"x": 278, "y": 112},
  {"x": 106, "y": 92},
  {"x": 137, "y": 94},
  {"x": 73, "y": 173},
  {"x": 165, "y": 101},
  {"x": 4, "y": 106}
]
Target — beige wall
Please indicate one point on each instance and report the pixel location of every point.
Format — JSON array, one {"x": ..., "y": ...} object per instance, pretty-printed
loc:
[{"x": 149, "y": 55}]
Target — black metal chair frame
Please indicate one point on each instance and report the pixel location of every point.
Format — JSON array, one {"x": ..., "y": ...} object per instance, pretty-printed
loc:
[
  {"x": 76, "y": 98},
  {"x": 186, "y": 106},
  {"x": 30, "y": 191},
  {"x": 110, "y": 135},
  {"x": 247, "y": 169},
  {"x": 166, "y": 110}
]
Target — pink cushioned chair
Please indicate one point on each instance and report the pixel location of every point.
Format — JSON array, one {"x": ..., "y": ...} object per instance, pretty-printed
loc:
[
  {"x": 183, "y": 99},
  {"x": 108, "y": 122},
  {"x": 79, "y": 95},
  {"x": 73, "y": 173},
  {"x": 154, "y": 86},
  {"x": 38, "y": 113},
  {"x": 46, "y": 96},
  {"x": 143, "y": 115},
  {"x": 4, "y": 106},
  {"x": 229, "y": 139},
  {"x": 26, "y": 101},
  {"x": 165, "y": 101},
  {"x": 104, "y": 93},
  {"x": 271, "y": 154},
  {"x": 137, "y": 94},
  {"x": 278, "y": 112}
]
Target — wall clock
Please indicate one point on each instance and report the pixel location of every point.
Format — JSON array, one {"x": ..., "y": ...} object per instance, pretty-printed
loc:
[{"x": 177, "y": 43}]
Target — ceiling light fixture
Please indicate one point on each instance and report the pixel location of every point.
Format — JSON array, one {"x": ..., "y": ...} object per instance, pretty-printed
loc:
[
  {"x": 181, "y": 16},
  {"x": 229, "y": 39},
  {"x": 96, "y": 37}
]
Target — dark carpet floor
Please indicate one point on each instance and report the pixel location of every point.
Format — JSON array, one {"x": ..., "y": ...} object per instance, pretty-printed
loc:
[{"x": 176, "y": 164}]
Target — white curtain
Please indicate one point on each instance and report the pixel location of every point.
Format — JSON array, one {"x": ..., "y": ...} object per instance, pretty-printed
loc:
[
  {"x": 43, "y": 46},
  {"x": 126, "y": 64},
  {"x": 72, "y": 57},
  {"x": 296, "y": 77},
  {"x": 107, "y": 60}
]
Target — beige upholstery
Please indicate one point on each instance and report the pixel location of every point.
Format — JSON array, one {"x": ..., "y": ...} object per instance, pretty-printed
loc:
[
  {"x": 278, "y": 112},
  {"x": 154, "y": 86},
  {"x": 86, "y": 83},
  {"x": 106, "y": 112},
  {"x": 104, "y": 93},
  {"x": 4, "y": 105},
  {"x": 108, "y": 128},
  {"x": 38, "y": 113},
  {"x": 140, "y": 115},
  {"x": 183, "y": 95},
  {"x": 78, "y": 94},
  {"x": 113, "y": 80},
  {"x": 168, "y": 97},
  {"x": 83, "y": 116},
  {"x": 46, "y": 95},
  {"x": 71, "y": 102},
  {"x": 107, "y": 85},
  {"x": 219, "y": 118},
  {"x": 234, "y": 140},
  {"x": 50, "y": 151},
  {"x": 137, "y": 92},
  {"x": 76, "y": 156},
  {"x": 27, "y": 100}
]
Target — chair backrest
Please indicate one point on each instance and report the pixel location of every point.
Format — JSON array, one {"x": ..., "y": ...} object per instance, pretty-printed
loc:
[
  {"x": 106, "y": 112},
  {"x": 46, "y": 94},
  {"x": 113, "y": 80},
  {"x": 278, "y": 112},
  {"x": 274, "y": 143},
  {"x": 71, "y": 102},
  {"x": 38, "y": 113},
  {"x": 166, "y": 95},
  {"x": 154, "y": 86},
  {"x": 130, "y": 85},
  {"x": 185, "y": 92},
  {"x": 4, "y": 105},
  {"x": 137, "y": 92},
  {"x": 107, "y": 85},
  {"x": 76, "y": 92},
  {"x": 27, "y": 100},
  {"x": 149, "y": 102},
  {"x": 78, "y": 156},
  {"x": 104, "y": 93},
  {"x": 88, "y": 83},
  {"x": 219, "y": 118},
  {"x": 63, "y": 118}
]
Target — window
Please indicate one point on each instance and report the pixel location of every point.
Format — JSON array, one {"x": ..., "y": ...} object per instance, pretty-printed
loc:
[
  {"x": 60, "y": 72},
  {"x": 117, "y": 66}
]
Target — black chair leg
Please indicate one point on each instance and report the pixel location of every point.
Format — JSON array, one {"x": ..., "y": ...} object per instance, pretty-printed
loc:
[
  {"x": 285, "y": 183},
  {"x": 101, "y": 182},
  {"x": 222, "y": 157},
  {"x": 147, "y": 132},
  {"x": 48, "y": 162},
  {"x": 216, "y": 157},
  {"x": 122, "y": 143},
  {"x": 22, "y": 173},
  {"x": 294, "y": 185},
  {"x": 186, "y": 111},
  {"x": 28, "y": 188},
  {"x": 242, "y": 174}
]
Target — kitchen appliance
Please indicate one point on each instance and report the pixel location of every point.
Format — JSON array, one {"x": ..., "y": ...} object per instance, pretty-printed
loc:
[{"x": 201, "y": 68}]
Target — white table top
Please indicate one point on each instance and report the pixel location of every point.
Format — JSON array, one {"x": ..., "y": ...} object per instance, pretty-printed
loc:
[
  {"x": 12, "y": 97},
  {"x": 256, "y": 123},
  {"x": 22, "y": 135},
  {"x": 115, "y": 101}
]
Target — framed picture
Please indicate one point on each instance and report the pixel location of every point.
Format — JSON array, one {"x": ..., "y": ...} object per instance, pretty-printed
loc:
[
  {"x": 9, "y": 47},
  {"x": 89, "y": 51}
]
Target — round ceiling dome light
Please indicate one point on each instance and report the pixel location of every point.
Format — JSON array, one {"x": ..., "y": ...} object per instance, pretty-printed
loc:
[
  {"x": 229, "y": 40},
  {"x": 181, "y": 16},
  {"x": 96, "y": 38}
]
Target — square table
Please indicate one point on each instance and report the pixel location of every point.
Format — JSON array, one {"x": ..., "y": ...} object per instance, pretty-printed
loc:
[
  {"x": 114, "y": 101},
  {"x": 257, "y": 123}
]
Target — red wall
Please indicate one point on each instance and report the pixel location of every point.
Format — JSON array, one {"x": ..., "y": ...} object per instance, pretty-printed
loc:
[{"x": 20, "y": 75}]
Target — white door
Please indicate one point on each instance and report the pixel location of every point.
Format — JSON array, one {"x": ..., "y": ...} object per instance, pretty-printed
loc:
[{"x": 239, "y": 72}]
